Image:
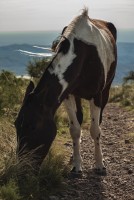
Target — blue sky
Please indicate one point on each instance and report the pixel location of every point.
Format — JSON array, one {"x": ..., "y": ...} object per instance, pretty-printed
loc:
[{"x": 29, "y": 15}]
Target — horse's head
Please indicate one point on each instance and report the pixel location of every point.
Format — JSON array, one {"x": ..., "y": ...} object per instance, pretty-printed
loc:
[{"x": 35, "y": 126}]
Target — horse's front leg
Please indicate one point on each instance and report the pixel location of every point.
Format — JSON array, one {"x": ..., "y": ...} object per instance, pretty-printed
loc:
[{"x": 75, "y": 131}]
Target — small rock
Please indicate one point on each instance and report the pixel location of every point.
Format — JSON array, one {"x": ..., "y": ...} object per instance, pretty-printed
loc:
[
  {"x": 115, "y": 119},
  {"x": 110, "y": 143},
  {"x": 113, "y": 196},
  {"x": 126, "y": 160},
  {"x": 109, "y": 117},
  {"x": 105, "y": 182},
  {"x": 130, "y": 171},
  {"x": 127, "y": 141}
]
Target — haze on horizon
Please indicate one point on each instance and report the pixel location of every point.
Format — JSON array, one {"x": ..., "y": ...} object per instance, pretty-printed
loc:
[{"x": 42, "y": 15}]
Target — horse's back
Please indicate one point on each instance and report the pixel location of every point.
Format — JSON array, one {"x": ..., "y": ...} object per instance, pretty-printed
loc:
[{"x": 105, "y": 25}]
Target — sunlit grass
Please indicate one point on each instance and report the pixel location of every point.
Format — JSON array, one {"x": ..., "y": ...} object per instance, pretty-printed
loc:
[{"x": 124, "y": 95}]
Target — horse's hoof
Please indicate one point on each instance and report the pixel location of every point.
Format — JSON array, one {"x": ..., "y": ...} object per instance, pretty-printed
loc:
[
  {"x": 76, "y": 174},
  {"x": 101, "y": 172}
]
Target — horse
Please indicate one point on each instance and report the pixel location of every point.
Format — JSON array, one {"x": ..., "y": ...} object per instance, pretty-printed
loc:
[{"x": 83, "y": 67}]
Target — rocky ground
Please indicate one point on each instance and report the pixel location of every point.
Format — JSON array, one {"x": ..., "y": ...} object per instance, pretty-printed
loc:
[{"x": 117, "y": 143}]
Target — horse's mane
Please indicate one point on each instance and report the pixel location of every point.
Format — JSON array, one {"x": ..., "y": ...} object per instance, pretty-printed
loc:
[
  {"x": 70, "y": 29},
  {"x": 84, "y": 11},
  {"x": 76, "y": 21}
]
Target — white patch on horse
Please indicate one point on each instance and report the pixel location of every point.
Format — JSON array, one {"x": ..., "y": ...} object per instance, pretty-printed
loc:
[
  {"x": 75, "y": 131},
  {"x": 83, "y": 29},
  {"x": 60, "y": 66}
]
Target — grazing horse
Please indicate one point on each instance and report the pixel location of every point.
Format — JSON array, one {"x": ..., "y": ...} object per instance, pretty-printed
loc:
[{"x": 83, "y": 67}]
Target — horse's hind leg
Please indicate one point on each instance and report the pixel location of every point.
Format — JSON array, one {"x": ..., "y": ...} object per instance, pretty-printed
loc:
[
  {"x": 73, "y": 108},
  {"x": 104, "y": 98},
  {"x": 95, "y": 131}
]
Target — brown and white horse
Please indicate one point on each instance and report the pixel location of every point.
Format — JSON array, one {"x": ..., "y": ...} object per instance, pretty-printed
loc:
[{"x": 83, "y": 67}]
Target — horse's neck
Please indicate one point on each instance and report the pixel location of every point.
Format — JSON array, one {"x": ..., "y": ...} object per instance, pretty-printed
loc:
[
  {"x": 49, "y": 90},
  {"x": 42, "y": 84}
]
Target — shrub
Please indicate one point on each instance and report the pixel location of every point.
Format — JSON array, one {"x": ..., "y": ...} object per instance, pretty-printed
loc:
[
  {"x": 10, "y": 191},
  {"x": 11, "y": 91},
  {"x": 36, "y": 67},
  {"x": 129, "y": 77},
  {"x": 124, "y": 94}
]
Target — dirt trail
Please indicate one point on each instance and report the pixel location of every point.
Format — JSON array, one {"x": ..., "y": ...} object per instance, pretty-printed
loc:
[{"x": 117, "y": 145}]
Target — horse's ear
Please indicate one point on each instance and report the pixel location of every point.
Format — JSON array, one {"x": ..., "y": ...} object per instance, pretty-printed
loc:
[{"x": 29, "y": 89}]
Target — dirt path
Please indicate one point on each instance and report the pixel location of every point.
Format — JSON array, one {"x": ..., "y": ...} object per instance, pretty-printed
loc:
[{"x": 117, "y": 145}]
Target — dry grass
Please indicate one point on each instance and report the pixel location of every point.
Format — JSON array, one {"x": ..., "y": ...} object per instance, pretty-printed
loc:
[
  {"x": 8, "y": 141},
  {"x": 124, "y": 95},
  {"x": 18, "y": 179}
]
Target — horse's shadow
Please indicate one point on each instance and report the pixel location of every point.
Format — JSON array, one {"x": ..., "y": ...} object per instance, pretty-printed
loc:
[
  {"x": 87, "y": 187},
  {"x": 95, "y": 185}
]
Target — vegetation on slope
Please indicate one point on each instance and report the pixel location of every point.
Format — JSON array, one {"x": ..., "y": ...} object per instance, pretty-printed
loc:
[{"x": 124, "y": 94}]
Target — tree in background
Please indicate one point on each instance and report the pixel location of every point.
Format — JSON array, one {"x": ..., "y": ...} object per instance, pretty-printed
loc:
[
  {"x": 129, "y": 77},
  {"x": 37, "y": 67}
]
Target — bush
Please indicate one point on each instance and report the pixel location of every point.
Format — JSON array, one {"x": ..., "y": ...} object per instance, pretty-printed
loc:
[
  {"x": 124, "y": 94},
  {"x": 36, "y": 67},
  {"x": 10, "y": 191},
  {"x": 11, "y": 91},
  {"x": 129, "y": 77}
]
